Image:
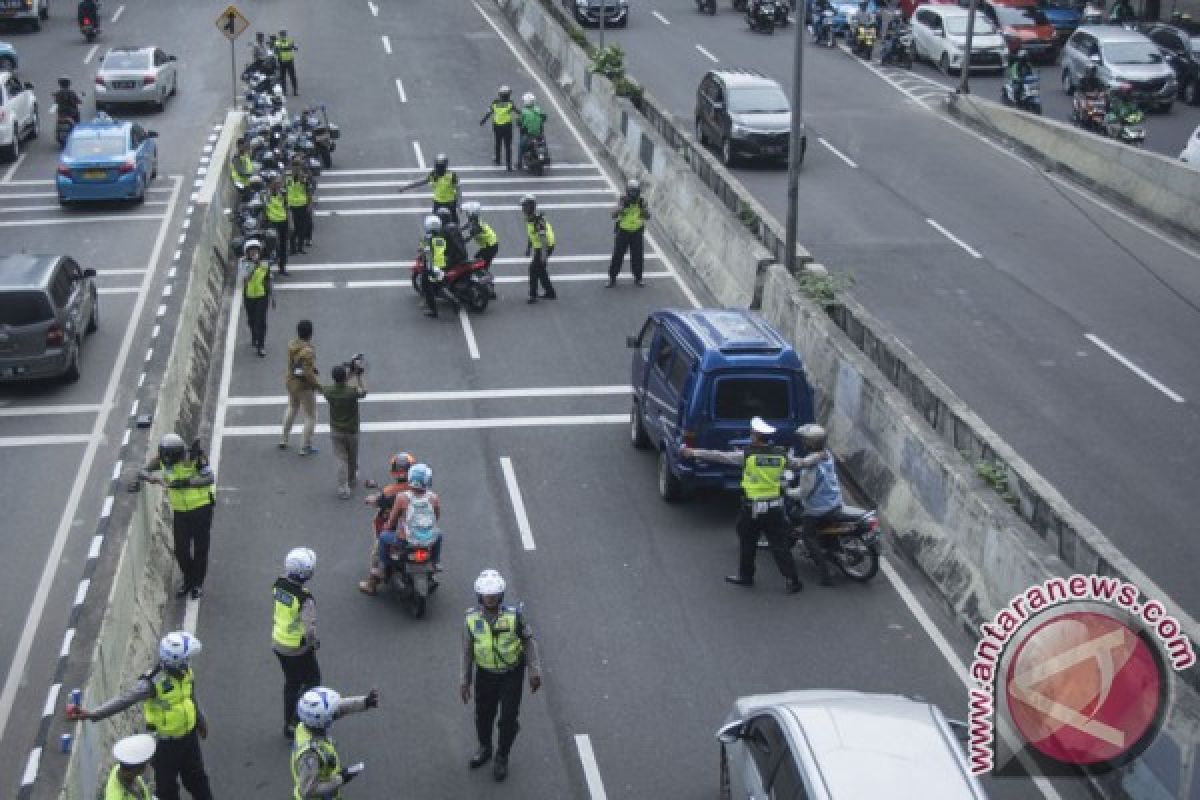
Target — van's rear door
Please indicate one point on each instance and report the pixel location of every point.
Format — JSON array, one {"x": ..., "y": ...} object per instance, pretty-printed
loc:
[{"x": 734, "y": 397}]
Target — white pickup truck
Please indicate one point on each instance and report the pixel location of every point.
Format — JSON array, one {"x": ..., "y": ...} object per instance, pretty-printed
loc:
[
  {"x": 18, "y": 115},
  {"x": 31, "y": 11}
]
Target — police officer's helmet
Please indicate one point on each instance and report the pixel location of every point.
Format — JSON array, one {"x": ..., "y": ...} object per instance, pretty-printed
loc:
[
  {"x": 812, "y": 436},
  {"x": 433, "y": 224},
  {"x": 504, "y": 92},
  {"x": 420, "y": 476},
  {"x": 399, "y": 464},
  {"x": 1022, "y": 57},
  {"x": 64, "y": 82},
  {"x": 441, "y": 162},
  {"x": 472, "y": 208},
  {"x": 445, "y": 215},
  {"x": 528, "y": 203},
  {"x": 282, "y": 34},
  {"x": 489, "y": 582},
  {"x": 251, "y": 244},
  {"x": 318, "y": 707},
  {"x": 171, "y": 449},
  {"x": 528, "y": 99},
  {"x": 176, "y": 649},
  {"x": 300, "y": 564}
]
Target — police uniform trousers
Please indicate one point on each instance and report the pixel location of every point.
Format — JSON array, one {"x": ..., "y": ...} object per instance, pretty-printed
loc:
[
  {"x": 452, "y": 205},
  {"x": 288, "y": 69},
  {"x": 631, "y": 241},
  {"x": 301, "y": 226},
  {"x": 503, "y": 136},
  {"x": 191, "y": 531},
  {"x": 281, "y": 247},
  {"x": 498, "y": 691},
  {"x": 300, "y": 673},
  {"x": 256, "y": 317},
  {"x": 180, "y": 760},
  {"x": 538, "y": 276},
  {"x": 771, "y": 524}
]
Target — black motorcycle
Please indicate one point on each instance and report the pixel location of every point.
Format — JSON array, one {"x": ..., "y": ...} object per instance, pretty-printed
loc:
[
  {"x": 410, "y": 573},
  {"x": 707, "y": 6},
  {"x": 536, "y": 155},
  {"x": 324, "y": 133},
  {"x": 760, "y": 16},
  {"x": 849, "y": 539},
  {"x": 897, "y": 47}
]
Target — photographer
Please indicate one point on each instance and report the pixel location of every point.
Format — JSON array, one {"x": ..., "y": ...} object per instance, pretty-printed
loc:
[{"x": 342, "y": 396}]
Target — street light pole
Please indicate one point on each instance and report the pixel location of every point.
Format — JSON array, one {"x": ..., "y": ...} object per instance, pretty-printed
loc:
[
  {"x": 603, "y": 8},
  {"x": 795, "y": 147},
  {"x": 963, "y": 88}
]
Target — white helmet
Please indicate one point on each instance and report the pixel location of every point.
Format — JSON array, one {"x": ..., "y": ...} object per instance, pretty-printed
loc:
[
  {"x": 177, "y": 648},
  {"x": 812, "y": 435},
  {"x": 472, "y": 208},
  {"x": 528, "y": 99},
  {"x": 134, "y": 751},
  {"x": 489, "y": 582},
  {"x": 300, "y": 563},
  {"x": 278, "y": 90},
  {"x": 251, "y": 243},
  {"x": 758, "y": 425},
  {"x": 318, "y": 707},
  {"x": 433, "y": 224}
]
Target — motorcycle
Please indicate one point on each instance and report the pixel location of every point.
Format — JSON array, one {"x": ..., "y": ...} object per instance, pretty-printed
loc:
[
  {"x": 1031, "y": 93},
  {"x": 781, "y": 14},
  {"x": 707, "y": 6},
  {"x": 849, "y": 538},
  {"x": 468, "y": 283},
  {"x": 536, "y": 155},
  {"x": 823, "y": 32},
  {"x": 864, "y": 40},
  {"x": 1088, "y": 110},
  {"x": 1129, "y": 129},
  {"x": 897, "y": 47},
  {"x": 89, "y": 29},
  {"x": 63, "y": 125},
  {"x": 324, "y": 133},
  {"x": 761, "y": 17},
  {"x": 410, "y": 570}
]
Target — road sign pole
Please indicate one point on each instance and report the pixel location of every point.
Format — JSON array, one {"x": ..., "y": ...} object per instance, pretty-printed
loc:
[
  {"x": 233, "y": 71},
  {"x": 795, "y": 145}
]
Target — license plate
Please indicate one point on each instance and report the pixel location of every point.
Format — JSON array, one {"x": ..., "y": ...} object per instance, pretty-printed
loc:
[
  {"x": 8, "y": 372},
  {"x": 95, "y": 174},
  {"x": 123, "y": 84}
]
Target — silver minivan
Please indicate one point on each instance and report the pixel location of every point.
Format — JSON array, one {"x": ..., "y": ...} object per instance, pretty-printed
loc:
[
  {"x": 47, "y": 305},
  {"x": 1120, "y": 56},
  {"x": 841, "y": 745}
]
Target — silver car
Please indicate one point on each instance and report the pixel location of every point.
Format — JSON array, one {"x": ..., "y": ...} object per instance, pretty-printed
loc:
[
  {"x": 47, "y": 305},
  {"x": 1121, "y": 56},
  {"x": 129, "y": 75},
  {"x": 841, "y": 745}
]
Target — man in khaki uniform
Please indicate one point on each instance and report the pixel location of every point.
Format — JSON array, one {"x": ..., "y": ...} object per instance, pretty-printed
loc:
[{"x": 301, "y": 382}]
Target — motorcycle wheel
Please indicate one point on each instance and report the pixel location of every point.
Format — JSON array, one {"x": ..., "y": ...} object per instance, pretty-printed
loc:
[
  {"x": 420, "y": 596},
  {"x": 416, "y": 283},
  {"x": 857, "y": 560},
  {"x": 536, "y": 167},
  {"x": 326, "y": 158},
  {"x": 477, "y": 297}
]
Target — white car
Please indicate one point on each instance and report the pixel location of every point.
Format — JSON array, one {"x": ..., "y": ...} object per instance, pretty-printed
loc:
[
  {"x": 18, "y": 115},
  {"x": 842, "y": 745},
  {"x": 940, "y": 36},
  {"x": 1191, "y": 153},
  {"x": 129, "y": 75}
]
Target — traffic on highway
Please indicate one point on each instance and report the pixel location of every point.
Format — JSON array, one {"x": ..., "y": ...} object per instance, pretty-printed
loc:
[{"x": 479, "y": 455}]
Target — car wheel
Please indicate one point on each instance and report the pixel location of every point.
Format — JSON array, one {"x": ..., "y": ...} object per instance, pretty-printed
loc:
[
  {"x": 700, "y": 138},
  {"x": 727, "y": 155},
  {"x": 94, "y": 322},
  {"x": 12, "y": 151},
  {"x": 7, "y": 64},
  {"x": 1165, "y": 108},
  {"x": 161, "y": 103},
  {"x": 944, "y": 64},
  {"x": 140, "y": 197},
  {"x": 1067, "y": 86},
  {"x": 72, "y": 374},
  {"x": 637, "y": 431},
  {"x": 154, "y": 169},
  {"x": 669, "y": 486}
]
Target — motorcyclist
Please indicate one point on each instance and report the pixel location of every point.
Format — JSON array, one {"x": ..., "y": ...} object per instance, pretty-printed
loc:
[
  {"x": 1120, "y": 106},
  {"x": 435, "y": 263},
  {"x": 483, "y": 235},
  {"x": 1090, "y": 82},
  {"x": 415, "y": 511},
  {"x": 1018, "y": 69},
  {"x": 456, "y": 247},
  {"x": 822, "y": 498},
  {"x": 68, "y": 100},
  {"x": 819, "y": 20},
  {"x": 88, "y": 9},
  {"x": 383, "y": 500},
  {"x": 1121, "y": 11},
  {"x": 530, "y": 124}
]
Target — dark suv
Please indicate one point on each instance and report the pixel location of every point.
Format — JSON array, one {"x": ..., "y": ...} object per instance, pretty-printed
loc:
[
  {"x": 47, "y": 304},
  {"x": 743, "y": 112},
  {"x": 1182, "y": 51}
]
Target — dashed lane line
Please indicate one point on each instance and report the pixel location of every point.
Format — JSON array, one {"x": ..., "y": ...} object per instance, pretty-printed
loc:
[
  {"x": 942, "y": 230},
  {"x": 413, "y": 170},
  {"x": 660, "y": 18},
  {"x": 454, "y": 394},
  {"x": 1132, "y": 367},
  {"x": 117, "y": 14},
  {"x": 837, "y": 153},
  {"x": 400, "y": 91},
  {"x": 468, "y": 333},
  {"x": 591, "y": 770},
  {"x": 91, "y": 53},
  {"x": 372, "y": 212},
  {"x": 8, "y": 175},
  {"x": 387, "y": 44},
  {"x": 518, "y": 503},
  {"x": 707, "y": 54},
  {"x": 457, "y": 424}
]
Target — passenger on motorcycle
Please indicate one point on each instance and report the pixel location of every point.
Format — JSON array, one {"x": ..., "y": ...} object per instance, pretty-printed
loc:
[
  {"x": 435, "y": 263},
  {"x": 821, "y": 497},
  {"x": 456, "y": 248},
  {"x": 68, "y": 101},
  {"x": 1090, "y": 82},
  {"x": 415, "y": 513},
  {"x": 483, "y": 235},
  {"x": 530, "y": 124},
  {"x": 819, "y": 20},
  {"x": 1120, "y": 105},
  {"x": 1018, "y": 69},
  {"x": 383, "y": 500}
]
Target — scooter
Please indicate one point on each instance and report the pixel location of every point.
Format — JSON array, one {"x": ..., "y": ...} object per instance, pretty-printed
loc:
[
  {"x": 410, "y": 570},
  {"x": 850, "y": 537},
  {"x": 707, "y": 6},
  {"x": 536, "y": 155},
  {"x": 761, "y": 17},
  {"x": 469, "y": 283},
  {"x": 1031, "y": 94},
  {"x": 89, "y": 29},
  {"x": 823, "y": 32},
  {"x": 324, "y": 133},
  {"x": 1129, "y": 129},
  {"x": 897, "y": 47},
  {"x": 1088, "y": 110}
]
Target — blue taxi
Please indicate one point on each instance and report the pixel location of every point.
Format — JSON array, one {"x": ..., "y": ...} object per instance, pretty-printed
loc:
[{"x": 107, "y": 159}]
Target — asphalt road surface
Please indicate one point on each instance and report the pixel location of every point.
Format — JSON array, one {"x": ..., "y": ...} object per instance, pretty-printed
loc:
[{"x": 1065, "y": 326}]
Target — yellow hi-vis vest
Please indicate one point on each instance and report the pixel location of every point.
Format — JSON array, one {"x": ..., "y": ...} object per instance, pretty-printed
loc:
[
  {"x": 113, "y": 790},
  {"x": 241, "y": 169},
  {"x": 763, "y": 472},
  {"x": 276, "y": 211},
  {"x": 172, "y": 711},
  {"x": 297, "y": 193},
  {"x": 192, "y": 497},
  {"x": 502, "y": 112},
  {"x": 485, "y": 236},
  {"x": 326, "y": 753},
  {"x": 496, "y": 648},
  {"x": 256, "y": 282},
  {"x": 437, "y": 251},
  {"x": 531, "y": 230},
  {"x": 630, "y": 219},
  {"x": 445, "y": 187},
  {"x": 284, "y": 48},
  {"x": 288, "y": 630}
]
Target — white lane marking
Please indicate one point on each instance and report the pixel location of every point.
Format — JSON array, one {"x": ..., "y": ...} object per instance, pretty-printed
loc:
[
  {"x": 91, "y": 53},
  {"x": 53, "y": 108},
  {"x": 1132, "y": 367},
  {"x": 424, "y": 209},
  {"x": 591, "y": 770},
  {"x": 51, "y": 700},
  {"x": 94, "y": 550},
  {"x": 458, "y": 424},
  {"x": 81, "y": 591},
  {"x": 39, "y": 441},
  {"x": 661, "y": 18},
  {"x": 191, "y": 613},
  {"x": 119, "y": 290},
  {"x": 940, "y": 229},
  {"x": 334, "y": 266},
  {"x": 957, "y": 667},
  {"x": 8, "y": 174},
  {"x": 374, "y": 8},
  {"x": 462, "y": 181},
  {"x": 31, "y": 767},
  {"x": 352, "y": 198},
  {"x": 116, "y": 470},
  {"x": 76, "y": 220},
  {"x": 595, "y": 162},
  {"x": 837, "y": 153},
  {"x": 420, "y": 156},
  {"x": 387, "y": 44},
  {"x": 37, "y": 411},
  {"x": 518, "y": 504},
  {"x": 30, "y": 209},
  {"x": 410, "y": 170},
  {"x": 20, "y": 659},
  {"x": 400, "y": 91},
  {"x": 707, "y": 54},
  {"x": 117, "y": 15},
  {"x": 469, "y": 333},
  {"x": 577, "y": 277},
  {"x": 468, "y": 394},
  {"x": 68, "y": 637},
  {"x": 106, "y": 511}
]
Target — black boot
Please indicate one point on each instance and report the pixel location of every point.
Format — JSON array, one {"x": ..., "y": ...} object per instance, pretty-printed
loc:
[
  {"x": 481, "y": 757},
  {"x": 500, "y": 768}
]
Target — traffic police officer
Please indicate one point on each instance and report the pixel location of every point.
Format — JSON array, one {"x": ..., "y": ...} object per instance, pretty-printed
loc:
[
  {"x": 762, "y": 513},
  {"x": 540, "y": 244},
  {"x": 277, "y": 218},
  {"x": 125, "y": 781},
  {"x": 484, "y": 236},
  {"x": 631, "y": 216},
  {"x": 444, "y": 183},
  {"x": 299, "y": 190},
  {"x": 169, "y": 706},
  {"x": 499, "y": 643},
  {"x": 256, "y": 293},
  {"x": 294, "y": 631},
  {"x": 501, "y": 111},
  {"x": 241, "y": 167},
  {"x": 317, "y": 770},
  {"x": 435, "y": 265},
  {"x": 189, "y": 482},
  {"x": 285, "y": 52}
]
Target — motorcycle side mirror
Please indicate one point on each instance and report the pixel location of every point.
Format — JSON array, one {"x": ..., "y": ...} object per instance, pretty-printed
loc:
[
  {"x": 731, "y": 732},
  {"x": 631, "y": 341},
  {"x": 152, "y": 134}
]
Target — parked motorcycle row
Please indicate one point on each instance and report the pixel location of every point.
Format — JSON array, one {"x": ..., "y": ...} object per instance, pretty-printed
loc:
[{"x": 762, "y": 16}]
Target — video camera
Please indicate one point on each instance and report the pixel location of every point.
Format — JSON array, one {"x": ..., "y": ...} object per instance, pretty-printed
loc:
[{"x": 357, "y": 365}]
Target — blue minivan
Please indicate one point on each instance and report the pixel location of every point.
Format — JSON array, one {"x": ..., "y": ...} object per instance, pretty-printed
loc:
[{"x": 699, "y": 377}]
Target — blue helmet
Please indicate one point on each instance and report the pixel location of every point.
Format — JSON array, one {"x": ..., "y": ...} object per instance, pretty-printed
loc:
[{"x": 420, "y": 476}]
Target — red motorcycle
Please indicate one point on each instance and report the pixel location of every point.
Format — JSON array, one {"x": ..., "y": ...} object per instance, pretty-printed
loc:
[
  {"x": 1088, "y": 110},
  {"x": 468, "y": 283}
]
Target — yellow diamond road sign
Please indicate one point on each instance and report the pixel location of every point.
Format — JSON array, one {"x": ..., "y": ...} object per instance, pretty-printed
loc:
[{"x": 232, "y": 23}]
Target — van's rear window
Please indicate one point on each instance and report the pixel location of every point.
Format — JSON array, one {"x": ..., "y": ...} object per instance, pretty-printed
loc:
[
  {"x": 24, "y": 308},
  {"x": 744, "y": 398}
]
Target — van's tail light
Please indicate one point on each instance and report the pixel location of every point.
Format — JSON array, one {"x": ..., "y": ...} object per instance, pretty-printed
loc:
[
  {"x": 64, "y": 170},
  {"x": 127, "y": 166},
  {"x": 689, "y": 438},
  {"x": 147, "y": 80},
  {"x": 55, "y": 336}
]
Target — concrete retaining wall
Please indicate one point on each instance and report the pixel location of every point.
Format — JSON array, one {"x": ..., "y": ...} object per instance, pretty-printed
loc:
[
  {"x": 1163, "y": 189},
  {"x": 901, "y": 433},
  {"x": 127, "y": 642}
]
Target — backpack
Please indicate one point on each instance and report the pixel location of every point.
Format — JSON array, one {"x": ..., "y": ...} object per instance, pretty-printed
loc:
[{"x": 420, "y": 519}]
